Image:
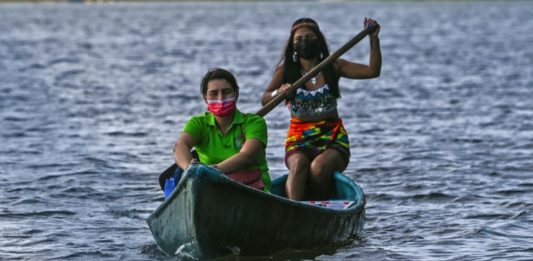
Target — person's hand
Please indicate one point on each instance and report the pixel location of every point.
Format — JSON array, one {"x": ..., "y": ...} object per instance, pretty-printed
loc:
[
  {"x": 373, "y": 25},
  {"x": 215, "y": 167},
  {"x": 193, "y": 162},
  {"x": 284, "y": 87}
]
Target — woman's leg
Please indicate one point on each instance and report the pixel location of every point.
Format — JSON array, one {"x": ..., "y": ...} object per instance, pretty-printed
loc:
[
  {"x": 298, "y": 165},
  {"x": 321, "y": 186}
]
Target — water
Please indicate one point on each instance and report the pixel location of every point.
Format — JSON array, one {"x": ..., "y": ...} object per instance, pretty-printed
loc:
[{"x": 92, "y": 98}]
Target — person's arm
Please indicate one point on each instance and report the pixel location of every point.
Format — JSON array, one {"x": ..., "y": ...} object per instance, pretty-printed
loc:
[
  {"x": 248, "y": 155},
  {"x": 182, "y": 150},
  {"x": 192, "y": 135},
  {"x": 256, "y": 139},
  {"x": 360, "y": 71},
  {"x": 275, "y": 87}
]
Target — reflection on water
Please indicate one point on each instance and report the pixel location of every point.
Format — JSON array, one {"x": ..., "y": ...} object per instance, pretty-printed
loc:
[{"x": 92, "y": 98}]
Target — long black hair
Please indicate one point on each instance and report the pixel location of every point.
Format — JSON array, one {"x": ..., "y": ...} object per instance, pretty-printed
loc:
[{"x": 292, "y": 69}]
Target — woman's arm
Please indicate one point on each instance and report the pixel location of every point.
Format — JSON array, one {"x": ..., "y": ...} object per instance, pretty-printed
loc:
[
  {"x": 275, "y": 87},
  {"x": 353, "y": 70},
  {"x": 248, "y": 155},
  {"x": 360, "y": 71},
  {"x": 182, "y": 150}
]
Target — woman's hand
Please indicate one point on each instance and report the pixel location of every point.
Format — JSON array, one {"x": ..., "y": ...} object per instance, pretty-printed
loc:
[
  {"x": 193, "y": 162},
  {"x": 283, "y": 88},
  {"x": 373, "y": 25}
]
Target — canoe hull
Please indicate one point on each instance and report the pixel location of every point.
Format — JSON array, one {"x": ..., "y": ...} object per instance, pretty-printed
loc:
[{"x": 212, "y": 215}]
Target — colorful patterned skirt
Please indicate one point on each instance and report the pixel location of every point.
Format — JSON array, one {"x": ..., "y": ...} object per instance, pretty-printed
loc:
[{"x": 312, "y": 138}]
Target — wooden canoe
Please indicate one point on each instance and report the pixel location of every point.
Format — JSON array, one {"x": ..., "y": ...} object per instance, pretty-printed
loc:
[{"x": 210, "y": 215}]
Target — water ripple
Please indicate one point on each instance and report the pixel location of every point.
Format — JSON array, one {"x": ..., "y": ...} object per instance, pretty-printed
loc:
[
  {"x": 37, "y": 214},
  {"x": 92, "y": 98}
]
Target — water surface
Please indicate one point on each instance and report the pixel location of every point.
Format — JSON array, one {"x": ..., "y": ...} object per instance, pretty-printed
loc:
[{"x": 92, "y": 98}]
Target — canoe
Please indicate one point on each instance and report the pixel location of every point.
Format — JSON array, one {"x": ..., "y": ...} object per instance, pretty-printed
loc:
[{"x": 210, "y": 215}]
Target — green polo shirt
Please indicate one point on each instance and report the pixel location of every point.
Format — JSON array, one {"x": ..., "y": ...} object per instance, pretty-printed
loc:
[{"x": 214, "y": 147}]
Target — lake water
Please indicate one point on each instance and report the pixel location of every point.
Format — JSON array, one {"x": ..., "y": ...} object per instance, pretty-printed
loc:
[{"x": 92, "y": 98}]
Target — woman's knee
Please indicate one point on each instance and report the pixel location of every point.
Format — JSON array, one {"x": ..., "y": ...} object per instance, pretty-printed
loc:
[
  {"x": 298, "y": 163},
  {"x": 320, "y": 170},
  {"x": 323, "y": 166}
]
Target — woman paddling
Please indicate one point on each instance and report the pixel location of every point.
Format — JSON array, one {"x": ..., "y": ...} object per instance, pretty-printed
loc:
[
  {"x": 317, "y": 144},
  {"x": 231, "y": 141}
]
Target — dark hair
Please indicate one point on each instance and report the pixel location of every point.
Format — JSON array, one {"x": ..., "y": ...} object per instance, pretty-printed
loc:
[
  {"x": 292, "y": 70},
  {"x": 217, "y": 74}
]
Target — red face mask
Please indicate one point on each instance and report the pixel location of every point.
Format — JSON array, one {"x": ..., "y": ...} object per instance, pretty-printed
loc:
[{"x": 222, "y": 108}]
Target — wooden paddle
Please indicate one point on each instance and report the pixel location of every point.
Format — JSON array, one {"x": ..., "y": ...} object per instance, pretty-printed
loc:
[{"x": 280, "y": 97}]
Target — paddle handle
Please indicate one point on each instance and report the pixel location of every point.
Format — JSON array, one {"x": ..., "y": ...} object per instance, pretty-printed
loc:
[{"x": 280, "y": 97}]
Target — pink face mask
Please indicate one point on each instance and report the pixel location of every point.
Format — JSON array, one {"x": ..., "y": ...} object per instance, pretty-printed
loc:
[{"x": 222, "y": 108}]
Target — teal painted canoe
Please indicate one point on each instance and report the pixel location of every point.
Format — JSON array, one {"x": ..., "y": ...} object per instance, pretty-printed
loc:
[{"x": 210, "y": 215}]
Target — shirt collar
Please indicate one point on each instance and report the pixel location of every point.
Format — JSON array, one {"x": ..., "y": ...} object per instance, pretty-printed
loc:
[{"x": 238, "y": 118}]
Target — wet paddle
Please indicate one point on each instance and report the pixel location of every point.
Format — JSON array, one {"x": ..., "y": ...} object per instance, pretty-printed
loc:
[{"x": 280, "y": 97}]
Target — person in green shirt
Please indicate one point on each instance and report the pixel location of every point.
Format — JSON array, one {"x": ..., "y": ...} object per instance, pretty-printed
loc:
[{"x": 225, "y": 138}]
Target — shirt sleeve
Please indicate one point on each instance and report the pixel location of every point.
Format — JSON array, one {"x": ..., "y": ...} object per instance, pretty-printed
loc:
[
  {"x": 194, "y": 127},
  {"x": 255, "y": 127}
]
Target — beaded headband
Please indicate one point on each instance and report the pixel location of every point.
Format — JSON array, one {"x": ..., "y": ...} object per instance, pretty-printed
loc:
[{"x": 304, "y": 24}]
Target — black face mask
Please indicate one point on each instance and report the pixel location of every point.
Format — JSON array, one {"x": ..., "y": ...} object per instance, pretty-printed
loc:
[{"x": 307, "y": 48}]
